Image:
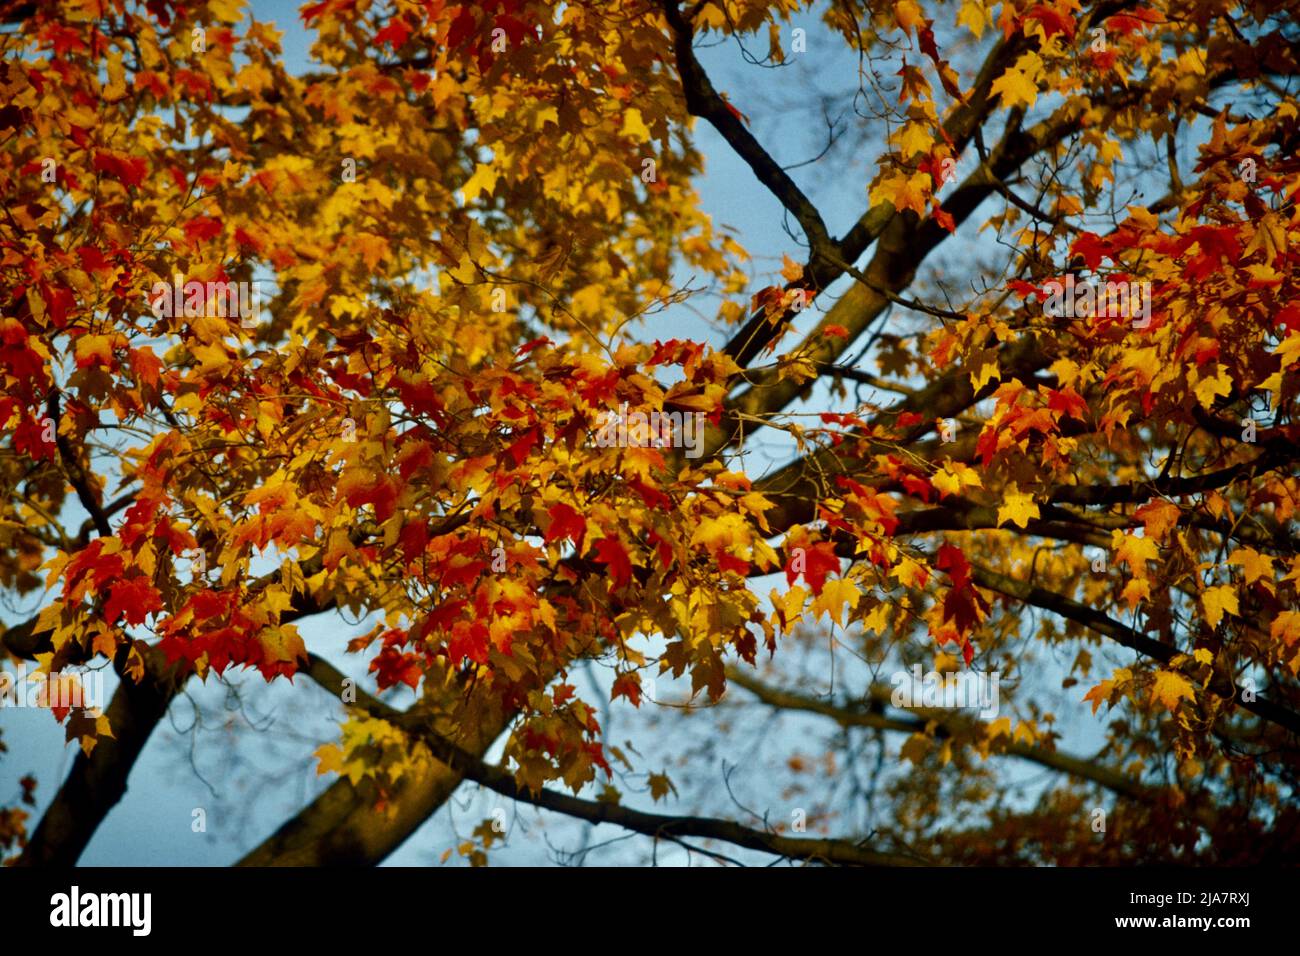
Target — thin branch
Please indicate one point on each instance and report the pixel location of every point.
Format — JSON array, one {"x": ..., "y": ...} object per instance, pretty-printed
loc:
[{"x": 704, "y": 101}]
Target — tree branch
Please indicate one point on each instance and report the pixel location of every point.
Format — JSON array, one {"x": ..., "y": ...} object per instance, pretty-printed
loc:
[
  {"x": 704, "y": 101},
  {"x": 947, "y": 725},
  {"x": 1127, "y": 636}
]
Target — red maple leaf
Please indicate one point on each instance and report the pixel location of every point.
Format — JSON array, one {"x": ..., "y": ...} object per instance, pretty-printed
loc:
[
  {"x": 1288, "y": 317},
  {"x": 610, "y": 552},
  {"x": 29, "y": 439},
  {"x": 60, "y": 301},
  {"x": 461, "y": 28},
  {"x": 650, "y": 495},
  {"x": 92, "y": 260},
  {"x": 208, "y": 604},
  {"x": 395, "y": 34},
  {"x": 626, "y": 685},
  {"x": 145, "y": 365},
  {"x": 135, "y": 598},
  {"x": 1103, "y": 60},
  {"x": 1053, "y": 21},
  {"x": 566, "y": 522},
  {"x": 523, "y": 445},
  {"x": 468, "y": 639},
  {"x": 1092, "y": 247},
  {"x": 952, "y": 560},
  {"x": 917, "y": 487},
  {"x": 961, "y": 607},
  {"x": 129, "y": 170},
  {"x": 201, "y": 228},
  {"x": 729, "y": 562},
  {"x": 393, "y": 667},
  {"x": 1026, "y": 289},
  {"x": 817, "y": 561},
  {"x": 247, "y": 240},
  {"x": 926, "y": 38},
  {"x": 733, "y": 111},
  {"x": 534, "y": 344},
  {"x": 1068, "y": 402},
  {"x": 90, "y": 563}
]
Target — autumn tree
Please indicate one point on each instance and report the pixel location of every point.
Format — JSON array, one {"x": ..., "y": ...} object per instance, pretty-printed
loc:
[{"x": 278, "y": 344}]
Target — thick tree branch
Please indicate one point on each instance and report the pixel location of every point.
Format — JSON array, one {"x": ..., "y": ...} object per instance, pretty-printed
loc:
[{"x": 76, "y": 474}]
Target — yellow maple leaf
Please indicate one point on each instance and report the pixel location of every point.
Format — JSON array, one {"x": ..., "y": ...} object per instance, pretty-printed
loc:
[
  {"x": 211, "y": 357},
  {"x": 1286, "y": 627},
  {"x": 974, "y": 16},
  {"x": 790, "y": 605},
  {"x": 227, "y": 11},
  {"x": 1253, "y": 564},
  {"x": 999, "y": 728},
  {"x": 912, "y": 193},
  {"x": 484, "y": 180},
  {"x": 914, "y": 139},
  {"x": 1017, "y": 508},
  {"x": 755, "y": 504},
  {"x": 722, "y": 532},
  {"x": 374, "y": 249},
  {"x": 1272, "y": 385},
  {"x": 1169, "y": 688},
  {"x": 878, "y": 619},
  {"x": 969, "y": 477},
  {"x": 1015, "y": 88},
  {"x": 902, "y": 192},
  {"x": 909, "y": 573},
  {"x": 634, "y": 126},
  {"x": 1133, "y": 551},
  {"x": 954, "y": 476},
  {"x": 946, "y": 482},
  {"x": 1270, "y": 236},
  {"x": 1158, "y": 518},
  {"x": 989, "y": 370},
  {"x": 1289, "y": 350},
  {"x": 1146, "y": 361},
  {"x": 94, "y": 350},
  {"x": 1103, "y": 692},
  {"x": 1217, "y": 601},
  {"x": 1136, "y": 591},
  {"x": 283, "y": 644},
  {"x": 1262, "y": 275},
  {"x": 1208, "y": 388},
  {"x": 329, "y": 759},
  {"x": 835, "y": 594},
  {"x": 908, "y": 15}
]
